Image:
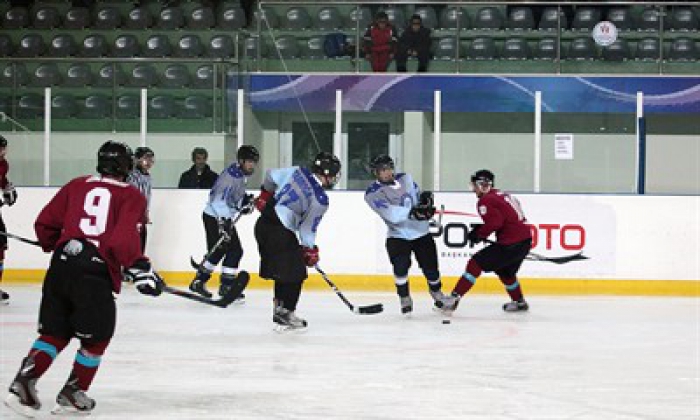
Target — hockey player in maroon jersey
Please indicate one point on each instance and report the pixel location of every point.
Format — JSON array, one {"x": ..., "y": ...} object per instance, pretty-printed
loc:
[
  {"x": 9, "y": 196},
  {"x": 503, "y": 216},
  {"x": 90, "y": 225}
]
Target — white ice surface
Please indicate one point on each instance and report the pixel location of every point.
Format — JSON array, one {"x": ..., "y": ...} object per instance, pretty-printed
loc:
[{"x": 568, "y": 358}]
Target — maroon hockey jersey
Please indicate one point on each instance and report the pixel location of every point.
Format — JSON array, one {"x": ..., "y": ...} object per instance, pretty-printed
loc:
[
  {"x": 104, "y": 211},
  {"x": 502, "y": 214},
  {"x": 4, "y": 169}
]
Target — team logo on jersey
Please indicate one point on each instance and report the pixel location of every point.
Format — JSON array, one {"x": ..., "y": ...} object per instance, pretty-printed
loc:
[{"x": 482, "y": 210}]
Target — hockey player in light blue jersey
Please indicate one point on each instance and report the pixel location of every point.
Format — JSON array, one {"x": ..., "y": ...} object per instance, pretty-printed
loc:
[
  {"x": 227, "y": 199},
  {"x": 292, "y": 203},
  {"x": 406, "y": 211}
]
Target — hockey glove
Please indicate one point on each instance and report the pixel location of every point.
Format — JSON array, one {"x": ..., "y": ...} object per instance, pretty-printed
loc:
[
  {"x": 225, "y": 228},
  {"x": 247, "y": 204},
  {"x": 473, "y": 235},
  {"x": 9, "y": 195},
  {"x": 421, "y": 212},
  {"x": 310, "y": 255},
  {"x": 426, "y": 199},
  {"x": 262, "y": 199},
  {"x": 144, "y": 278}
]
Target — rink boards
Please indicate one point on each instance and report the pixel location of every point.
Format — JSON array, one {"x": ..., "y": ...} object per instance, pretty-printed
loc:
[{"x": 637, "y": 245}]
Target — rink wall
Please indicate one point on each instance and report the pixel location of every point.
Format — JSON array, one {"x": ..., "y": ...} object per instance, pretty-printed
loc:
[{"x": 637, "y": 245}]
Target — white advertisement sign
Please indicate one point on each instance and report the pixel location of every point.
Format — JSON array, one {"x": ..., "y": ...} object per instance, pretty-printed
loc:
[{"x": 563, "y": 146}]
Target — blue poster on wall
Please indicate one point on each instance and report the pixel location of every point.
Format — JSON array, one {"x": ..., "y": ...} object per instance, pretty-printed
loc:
[{"x": 400, "y": 93}]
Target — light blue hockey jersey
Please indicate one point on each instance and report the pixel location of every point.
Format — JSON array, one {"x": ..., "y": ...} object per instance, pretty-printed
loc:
[
  {"x": 226, "y": 196},
  {"x": 300, "y": 200},
  {"x": 393, "y": 203}
]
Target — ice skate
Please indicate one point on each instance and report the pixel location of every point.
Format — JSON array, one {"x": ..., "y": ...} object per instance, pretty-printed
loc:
[
  {"x": 73, "y": 400},
  {"x": 516, "y": 306},
  {"x": 438, "y": 298},
  {"x": 286, "y": 320},
  {"x": 448, "y": 304},
  {"x": 198, "y": 285},
  {"x": 23, "y": 398},
  {"x": 4, "y": 298},
  {"x": 225, "y": 289},
  {"x": 406, "y": 305}
]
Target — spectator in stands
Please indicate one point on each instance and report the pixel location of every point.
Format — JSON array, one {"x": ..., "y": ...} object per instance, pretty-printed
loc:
[
  {"x": 414, "y": 42},
  {"x": 380, "y": 43},
  {"x": 200, "y": 174}
]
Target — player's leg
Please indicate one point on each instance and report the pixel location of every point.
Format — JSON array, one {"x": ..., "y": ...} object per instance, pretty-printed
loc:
[
  {"x": 426, "y": 254},
  {"x": 399, "y": 251},
  {"x": 286, "y": 300},
  {"x": 229, "y": 267},
  {"x": 4, "y": 296},
  {"x": 483, "y": 260},
  {"x": 514, "y": 255},
  {"x": 198, "y": 284}
]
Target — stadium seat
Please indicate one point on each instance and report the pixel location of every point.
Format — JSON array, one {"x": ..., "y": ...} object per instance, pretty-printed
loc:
[
  {"x": 203, "y": 77},
  {"x": 196, "y": 106},
  {"x": 142, "y": 76},
  {"x": 445, "y": 48},
  {"x": 287, "y": 46},
  {"x": 107, "y": 17},
  {"x": 650, "y": 19},
  {"x": 125, "y": 46},
  {"x": 428, "y": 16},
  {"x": 582, "y": 48},
  {"x": 516, "y": 49},
  {"x": 482, "y": 48},
  {"x": 76, "y": 18},
  {"x": 6, "y": 105},
  {"x": 683, "y": 49},
  {"x": 552, "y": 18},
  {"x": 488, "y": 18},
  {"x": 161, "y": 107},
  {"x": 328, "y": 19},
  {"x": 314, "y": 48},
  {"x": 46, "y": 75},
  {"x": 297, "y": 18},
  {"x": 175, "y": 76},
  {"x": 30, "y": 105},
  {"x": 683, "y": 18},
  {"x": 621, "y": 17},
  {"x": 15, "y": 18},
  {"x": 648, "y": 49},
  {"x": 546, "y": 49},
  {"x": 453, "y": 16},
  {"x": 188, "y": 46},
  {"x": 94, "y": 46},
  {"x": 138, "y": 18},
  {"x": 230, "y": 17},
  {"x": 157, "y": 46},
  {"x": 78, "y": 75},
  {"x": 62, "y": 45},
  {"x": 46, "y": 17},
  {"x": 6, "y": 46},
  {"x": 63, "y": 106},
  {"x": 31, "y": 45},
  {"x": 95, "y": 107},
  {"x": 110, "y": 75},
  {"x": 520, "y": 18},
  {"x": 171, "y": 18},
  {"x": 618, "y": 51},
  {"x": 220, "y": 46},
  {"x": 128, "y": 106},
  {"x": 396, "y": 16},
  {"x": 359, "y": 16},
  {"x": 585, "y": 18},
  {"x": 200, "y": 17},
  {"x": 250, "y": 47},
  {"x": 14, "y": 74},
  {"x": 267, "y": 18}
]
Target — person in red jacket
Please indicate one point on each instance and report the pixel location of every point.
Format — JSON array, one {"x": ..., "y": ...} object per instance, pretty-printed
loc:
[
  {"x": 380, "y": 43},
  {"x": 91, "y": 227},
  {"x": 502, "y": 215},
  {"x": 9, "y": 196}
]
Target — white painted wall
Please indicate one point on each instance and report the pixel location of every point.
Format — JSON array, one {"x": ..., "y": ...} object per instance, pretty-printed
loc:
[{"x": 626, "y": 237}]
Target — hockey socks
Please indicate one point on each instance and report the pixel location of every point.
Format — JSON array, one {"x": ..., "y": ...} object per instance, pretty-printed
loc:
[
  {"x": 287, "y": 295},
  {"x": 87, "y": 361},
  {"x": 468, "y": 279},
  {"x": 44, "y": 351},
  {"x": 513, "y": 288}
]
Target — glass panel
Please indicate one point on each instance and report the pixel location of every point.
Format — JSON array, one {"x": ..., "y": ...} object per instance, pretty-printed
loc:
[
  {"x": 306, "y": 143},
  {"x": 365, "y": 141}
]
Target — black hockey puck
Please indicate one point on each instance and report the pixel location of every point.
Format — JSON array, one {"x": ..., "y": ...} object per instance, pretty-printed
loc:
[{"x": 446, "y": 321}]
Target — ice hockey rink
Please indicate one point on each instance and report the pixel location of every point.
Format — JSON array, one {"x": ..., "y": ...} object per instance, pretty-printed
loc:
[{"x": 568, "y": 358}]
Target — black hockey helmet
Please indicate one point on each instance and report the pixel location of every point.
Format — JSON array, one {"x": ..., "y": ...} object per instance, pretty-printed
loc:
[
  {"x": 143, "y": 151},
  {"x": 483, "y": 175},
  {"x": 3, "y": 141},
  {"x": 115, "y": 158},
  {"x": 381, "y": 162},
  {"x": 326, "y": 163},
  {"x": 248, "y": 152}
]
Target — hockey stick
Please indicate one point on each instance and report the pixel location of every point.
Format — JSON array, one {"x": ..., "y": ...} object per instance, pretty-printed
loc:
[
  {"x": 19, "y": 238},
  {"x": 532, "y": 256},
  {"x": 223, "y": 302},
  {"x": 216, "y": 246},
  {"x": 362, "y": 310}
]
